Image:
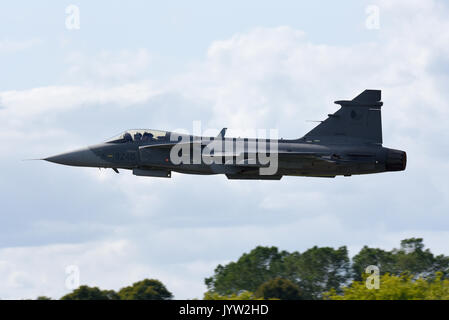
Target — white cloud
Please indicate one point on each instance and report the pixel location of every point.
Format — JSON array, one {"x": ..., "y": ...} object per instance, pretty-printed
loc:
[
  {"x": 122, "y": 66},
  {"x": 33, "y": 102},
  {"x": 28, "y": 272},
  {"x": 41, "y": 270}
]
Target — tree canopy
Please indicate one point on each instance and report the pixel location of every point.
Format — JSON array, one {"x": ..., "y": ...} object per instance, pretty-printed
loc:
[
  {"x": 147, "y": 289},
  {"x": 279, "y": 288},
  {"x": 91, "y": 293},
  {"x": 244, "y": 295},
  {"x": 249, "y": 272},
  {"x": 410, "y": 258},
  {"x": 408, "y": 272},
  {"x": 314, "y": 271},
  {"x": 393, "y": 287},
  {"x": 320, "y": 269}
]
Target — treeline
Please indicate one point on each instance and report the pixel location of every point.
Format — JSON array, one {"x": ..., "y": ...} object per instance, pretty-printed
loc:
[
  {"x": 148, "y": 289},
  {"x": 408, "y": 272},
  {"x": 323, "y": 272}
]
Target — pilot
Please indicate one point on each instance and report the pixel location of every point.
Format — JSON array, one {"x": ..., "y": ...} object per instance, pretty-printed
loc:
[
  {"x": 127, "y": 137},
  {"x": 138, "y": 136}
]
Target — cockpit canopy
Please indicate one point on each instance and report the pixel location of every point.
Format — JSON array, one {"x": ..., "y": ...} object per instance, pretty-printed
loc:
[{"x": 143, "y": 135}]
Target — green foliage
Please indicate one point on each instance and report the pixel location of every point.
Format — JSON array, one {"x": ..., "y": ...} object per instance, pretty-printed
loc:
[
  {"x": 91, "y": 293},
  {"x": 148, "y": 289},
  {"x": 410, "y": 272},
  {"x": 279, "y": 288},
  {"x": 320, "y": 269},
  {"x": 393, "y": 287},
  {"x": 43, "y": 298},
  {"x": 410, "y": 257},
  {"x": 368, "y": 256},
  {"x": 249, "y": 272},
  {"x": 245, "y": 295},
  {"x": 315, "y": 271}
]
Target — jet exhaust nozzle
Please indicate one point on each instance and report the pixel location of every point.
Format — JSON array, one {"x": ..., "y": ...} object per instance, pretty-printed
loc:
[{"x": 396, "y": 160}]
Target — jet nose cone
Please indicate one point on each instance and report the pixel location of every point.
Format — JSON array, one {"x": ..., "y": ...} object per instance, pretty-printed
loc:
[{"x": 82, "y": 157}]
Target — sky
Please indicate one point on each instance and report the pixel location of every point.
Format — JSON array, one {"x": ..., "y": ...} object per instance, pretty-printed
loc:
[{"x": 68, "y": 83}]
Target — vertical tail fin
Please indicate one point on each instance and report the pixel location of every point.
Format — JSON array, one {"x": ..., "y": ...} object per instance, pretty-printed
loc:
[{"x": 358, "y": 120}]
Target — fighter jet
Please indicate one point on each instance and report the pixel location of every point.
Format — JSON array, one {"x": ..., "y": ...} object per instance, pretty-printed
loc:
[{"x": 348, "y": 142}]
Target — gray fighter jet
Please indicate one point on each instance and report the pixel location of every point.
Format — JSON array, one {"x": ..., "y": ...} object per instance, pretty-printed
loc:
[{"x": 348, "y": 142}]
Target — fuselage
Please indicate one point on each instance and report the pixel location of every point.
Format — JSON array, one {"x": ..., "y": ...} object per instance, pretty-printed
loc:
[
  {"x": 348, "y": 142},
  {"x": 297, "y": 157}
]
